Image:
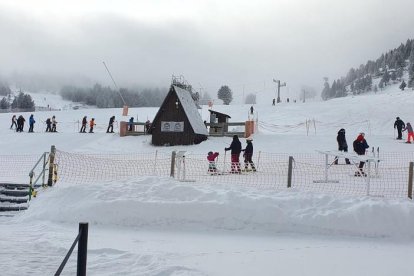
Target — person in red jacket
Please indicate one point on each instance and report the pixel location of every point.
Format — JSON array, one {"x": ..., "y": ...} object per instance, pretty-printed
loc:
[
  {"x": 409, "y": 129},
  {"x": 211, "y": 157}
]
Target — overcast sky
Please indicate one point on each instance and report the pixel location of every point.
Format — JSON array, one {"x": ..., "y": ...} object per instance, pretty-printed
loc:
[{"x": 238, "y": 43}]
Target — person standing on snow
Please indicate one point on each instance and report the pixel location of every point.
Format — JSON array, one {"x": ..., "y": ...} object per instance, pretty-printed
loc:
[
  {"x": 20, "y": 124},
  {"x": 54, "y": 123},
  {"x": 248, "y": 154},
  {"x": 84, "y": 123},
  {"x": 399, "y": 124},
  {"x": 91, "y": 125},
  {"x": 131, "y": 121},
  {"x": 342, "y": 145},
  {"x": 409, "y": 129},
  {"x": 48, "y": 125},
  {"x": 31, "y": 123},
  {"x": 13, "y": 122},
  {"x": 211, "y": 157},
  {"x": 235, "y": 148},
  {"x": 111, "y": 125},
  {"x": 360, "y": 146}
]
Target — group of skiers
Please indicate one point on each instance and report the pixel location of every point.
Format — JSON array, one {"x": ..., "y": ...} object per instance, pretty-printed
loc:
[
  {"x": 235, "y": 150},
  {"x": 18, "y": 123},
  {"x": 401, "y": 126},
  {"x": 92, "y": 124}
]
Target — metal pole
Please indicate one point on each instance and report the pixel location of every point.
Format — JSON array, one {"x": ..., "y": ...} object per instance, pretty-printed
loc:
[
  {"x": 326, "y": 168},
  {"x": 172, "y": 171},
  {"x": 290, "y": 169},
  {"x": 51, "y": 163},
  {"x": 410, "y": 180},
  {"x": 278, "y": 91},
  {"x": 82, "y": 249},
  {"x": 155, "y": 162},
  {"x": 44, "y": 169},
  {"x": 368, "y": 176}
]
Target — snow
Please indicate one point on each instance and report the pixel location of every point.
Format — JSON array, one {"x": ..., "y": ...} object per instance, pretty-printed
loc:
[{"x": 154, "y": 225}]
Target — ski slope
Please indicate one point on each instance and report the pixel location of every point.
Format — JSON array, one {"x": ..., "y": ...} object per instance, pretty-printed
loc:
[{"x": 158, "y": 226}]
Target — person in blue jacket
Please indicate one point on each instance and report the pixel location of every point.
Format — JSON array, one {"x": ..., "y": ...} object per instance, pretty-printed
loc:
[{"x": 31, "y": 123}]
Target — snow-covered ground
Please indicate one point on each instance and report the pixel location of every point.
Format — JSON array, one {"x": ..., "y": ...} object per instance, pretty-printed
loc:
[{"x": 158, "y": 226}]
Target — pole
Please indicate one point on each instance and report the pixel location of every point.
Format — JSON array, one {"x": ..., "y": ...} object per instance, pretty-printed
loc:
[
  {"x": 82, "y": 249},
  {"x": 278, "y": 91},
  {"x": 326, "y": 168},
  {"x": 410, "y": 180},
  {"x": 51, "y": 165},
  {"x": 44, "y": 169},
  {"x": 290, "y": 170},
  {"x": 172, "y": 171},
  {"x": 368, "y": 177},
  {"x": 116, "y": 86}
]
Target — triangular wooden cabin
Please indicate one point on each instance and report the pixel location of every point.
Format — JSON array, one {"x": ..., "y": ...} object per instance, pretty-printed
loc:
[{"x": 178, "y": 122}]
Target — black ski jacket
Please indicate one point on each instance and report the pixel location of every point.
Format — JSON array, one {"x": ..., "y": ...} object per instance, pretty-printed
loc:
[{"x": 399, "y": 124}]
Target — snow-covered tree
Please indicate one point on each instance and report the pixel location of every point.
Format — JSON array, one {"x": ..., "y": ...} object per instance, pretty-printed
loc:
[{"x": 225, "y": 94}]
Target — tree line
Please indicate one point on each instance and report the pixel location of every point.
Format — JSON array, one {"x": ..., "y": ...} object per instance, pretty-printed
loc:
[
  {"x": 21, "y": 101},
  {"x": 389, "y": 66},
  {"x": 106, "y": 97}
]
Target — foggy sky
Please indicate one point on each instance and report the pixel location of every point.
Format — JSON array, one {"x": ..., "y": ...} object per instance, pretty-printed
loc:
[{"x": 244, "y": 44}]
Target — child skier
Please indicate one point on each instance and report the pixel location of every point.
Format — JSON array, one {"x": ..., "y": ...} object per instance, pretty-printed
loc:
[
  {"x": 409, "y": 129},
  {"x": 48, "y": 125},
  {"x": 248, "y": 154},
  {"x": 91, "y": 125},
  {"x": 211, "y": 157}
]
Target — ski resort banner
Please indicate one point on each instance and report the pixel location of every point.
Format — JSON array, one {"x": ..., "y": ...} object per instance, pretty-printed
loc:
[{"x": 172, "y": 126}]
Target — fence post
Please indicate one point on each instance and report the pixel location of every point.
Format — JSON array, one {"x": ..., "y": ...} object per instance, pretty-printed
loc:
[
  {"x": 172, "y": 171},
  {"x": 290, "y": 169},
  {"x": 410, "y": 180},
  {"x": 82, "y": 249},
  {"x": 44, "y": 169},
  {"x": 51, "y": 163}
]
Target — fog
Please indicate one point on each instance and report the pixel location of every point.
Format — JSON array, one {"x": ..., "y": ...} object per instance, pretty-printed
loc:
[{"x": 243, "y": 44}]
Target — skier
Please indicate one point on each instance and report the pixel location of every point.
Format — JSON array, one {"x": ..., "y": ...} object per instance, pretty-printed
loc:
[
  {"x": 360, "y": 146},
  {"x": 248, "y": 154},
  {"x": 91, "y": 125},
  {"x": 13, "y": 122},
  {"x": 251, "y": 110},
  {"x": 20, "y": 124},
  {"x": 399, "y": 124},
  {"x": 274, "y": 102},
  {"x": 48, "y": 125},
  {"x": 111, "y": 125},
  {"x": 409, "y": 129},
  {"x": 147, "y": 126},
  {"x": 211, "y": 157},
  {"x": 342, "y": 145},
  {"x": 235, "y": 148},
  {"x": 83, "y": 128},
  {"x": 54, "y": 123},
  {"x": 131, "y": 120},
  {"x": 31, "y": 123}
]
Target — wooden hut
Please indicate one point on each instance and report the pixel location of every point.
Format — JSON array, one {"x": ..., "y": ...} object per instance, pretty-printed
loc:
[
  {"x": 218, "y": 118},
  {"x": 178, "y": 121}
]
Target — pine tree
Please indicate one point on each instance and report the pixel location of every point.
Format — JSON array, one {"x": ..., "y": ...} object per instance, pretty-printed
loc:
[
  {"x": 4, "y": 103},
  {"x": 225, "y": 94},
  {"x": 403, "y": 85},
  {"x": 326, "y": 90}
]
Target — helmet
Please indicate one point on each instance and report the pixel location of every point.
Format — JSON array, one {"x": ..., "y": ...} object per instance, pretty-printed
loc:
[
  {"x": 210, "y": 153},
  {"x": 398, "y": 118}
]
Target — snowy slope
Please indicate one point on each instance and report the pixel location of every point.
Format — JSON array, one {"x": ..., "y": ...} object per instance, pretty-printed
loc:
[{"x": 158, "y": 226}]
